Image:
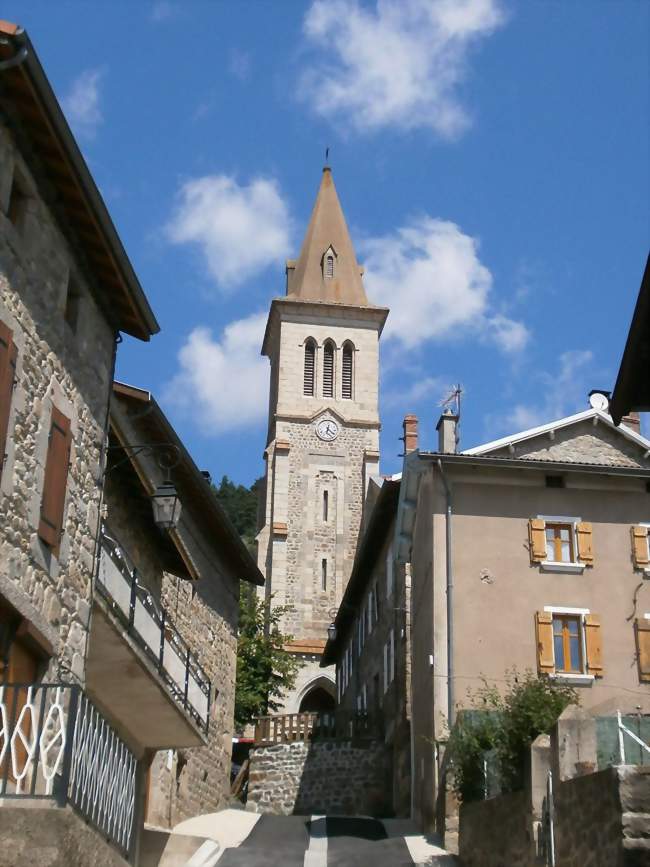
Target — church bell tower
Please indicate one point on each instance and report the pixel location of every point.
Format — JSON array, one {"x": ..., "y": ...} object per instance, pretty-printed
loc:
[{"x": 322, "y": 340}]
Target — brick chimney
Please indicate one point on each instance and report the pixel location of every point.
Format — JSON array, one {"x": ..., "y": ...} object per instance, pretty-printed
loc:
[
  {"x": 447, "y": 432},
  {"x": 633, "y": 421},
  {"x": 410, "y": 433}
]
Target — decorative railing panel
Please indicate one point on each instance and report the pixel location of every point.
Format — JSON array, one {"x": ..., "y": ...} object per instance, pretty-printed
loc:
[
  {"x": 152, "y": 629},
  {"x": 54, "y": 744},
  {"x": 334, "y": 725}
]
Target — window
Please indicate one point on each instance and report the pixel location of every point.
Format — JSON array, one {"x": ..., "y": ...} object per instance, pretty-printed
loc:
[
  {"x": 328, "y": 369},
  {"x": 385, "y": 666},
  {"x": 554, "y": 481},
  {"x": 364, "y": 698},
  {"x": 329, "y": 265},
  {"x": 17, "y": 202},
  {"x": 568, "y": 642},
  {"x": 346, "y": 383},
  {"x": 72, "y": 299},
  {"x": 325, "y": 506},
  {"x": 640, "y": 548},
  {"x": 310, "y": 368},
  {"x": 8, "y": 356},
  {"x": 50, "y": 527},
  {"x": 391, "y": 656},
  {"x": 560, "y": 544},
  {"x": 375, "y": 601},
  {"x": 389, "y": 571},
  {"x": 323, "y": 574}
]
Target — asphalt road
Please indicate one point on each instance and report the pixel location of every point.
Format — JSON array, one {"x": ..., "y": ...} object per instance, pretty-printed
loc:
[{"x": 306, "y": 841}]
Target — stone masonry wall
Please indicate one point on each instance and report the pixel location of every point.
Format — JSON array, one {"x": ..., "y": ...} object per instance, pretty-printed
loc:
[
  {"x": 57, "y": 366},
  {"x": 335, "y": 777},
  {"x": 495, "y": 833}
]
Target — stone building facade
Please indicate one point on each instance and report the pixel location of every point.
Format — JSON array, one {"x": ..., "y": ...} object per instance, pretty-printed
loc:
[
  {"x": 322, "y": 341},
  {"x": 193, "y": 575},
  {"x": 529, "y": 552},
  {"x": 371, "y": 645}
]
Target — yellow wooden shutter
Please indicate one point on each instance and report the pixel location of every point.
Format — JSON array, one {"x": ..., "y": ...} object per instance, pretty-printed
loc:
[
  {"x": 585, "y": 547},
  {"x": 544, "y": 634},
  {"x": 594, "y": 645},
  {"x": 537, "y": 540},
  {"x": 643, "y": 647},
  {"x": 640, "y": 546}
]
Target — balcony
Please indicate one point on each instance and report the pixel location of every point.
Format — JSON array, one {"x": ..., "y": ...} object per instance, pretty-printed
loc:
[
  {"x": 56, "y": 746},
  {"x": 139, "y": 669},
  {"x": 334, "y": 725}
]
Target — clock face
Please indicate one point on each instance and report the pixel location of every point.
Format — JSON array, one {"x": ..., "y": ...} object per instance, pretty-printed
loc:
[{"x": 327, "y": 430}]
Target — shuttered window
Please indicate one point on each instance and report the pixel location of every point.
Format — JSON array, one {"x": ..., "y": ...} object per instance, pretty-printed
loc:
[
  {"x": 556, "y": 542},
  {"x": 328, "y": 370},
  {"x": 55, "y": 482},
  {"x": 329, "y": 266},
  {"x": 8, "y": 354},
  {"x": 310, "y": 368},
  {"x": 640, "y": 551},
  {"x": 642, "y": 629},
  {"x": 346, "y": 381},
  {"x": 568, "y": 643}
]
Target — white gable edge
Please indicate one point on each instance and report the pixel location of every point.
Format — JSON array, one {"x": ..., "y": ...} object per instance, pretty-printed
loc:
[{"x": 569, "y": 420}]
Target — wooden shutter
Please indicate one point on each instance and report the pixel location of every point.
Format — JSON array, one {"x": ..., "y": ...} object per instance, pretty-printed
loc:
[
  {"x": 642, "y": 629},
  {"x": 585, "y": 547},
  {"x": 22, "y": 668},
  {"x": 8, "y": 354},
  {"x": 594, "y": 645},
  {"x": 640, "y": 546},
  {"x": 56, "y": 479},
  {"x": 537, "y": 540},
  {"x": 544, "y": 634}
]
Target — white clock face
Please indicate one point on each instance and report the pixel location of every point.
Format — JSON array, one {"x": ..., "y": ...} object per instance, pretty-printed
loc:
[{"x": 327, "y": 430}]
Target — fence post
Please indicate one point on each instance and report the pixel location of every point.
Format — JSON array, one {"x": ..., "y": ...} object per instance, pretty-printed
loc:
[
  {"x": 134, "y": 584},
  {"x": 621, "y": 739},
  {"x": 73, "y": 709},
  {"x": 162, "y": 640}
]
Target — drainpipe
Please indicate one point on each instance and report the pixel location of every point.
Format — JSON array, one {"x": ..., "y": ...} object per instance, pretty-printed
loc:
[{"x": 450, "y": 599}]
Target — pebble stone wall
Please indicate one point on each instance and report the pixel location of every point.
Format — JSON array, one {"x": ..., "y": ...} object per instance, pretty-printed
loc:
[
  {"x": 61, "y": 367},
  {"x": 333, "y": 777}
]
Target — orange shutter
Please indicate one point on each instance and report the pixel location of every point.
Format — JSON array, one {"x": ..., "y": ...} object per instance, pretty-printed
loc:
[
  {"x": 8, "y": 354},
  {"x": 56, "y": 479},
  {"x": 642, "y": 629},
  {"x": 544, "y": 633},
  {"x": 594, "y": 645},
  {"x": 537, "y": 540},
  {"x": 640, "y": 546},
  {"x": 585, "y": 547}
]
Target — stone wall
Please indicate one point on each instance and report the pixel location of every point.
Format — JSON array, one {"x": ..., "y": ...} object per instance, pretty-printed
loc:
[
  {"x": 495, "y": 833},
  {"x": 60, "y": 366},
  {"x": 336, "y": 777}
]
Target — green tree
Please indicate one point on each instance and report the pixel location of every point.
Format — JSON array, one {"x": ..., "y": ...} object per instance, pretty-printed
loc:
[
  {"x": 264, "y": 669},
  {"x": 504, "y": 726},
  {"x": 240, "y": 504}
]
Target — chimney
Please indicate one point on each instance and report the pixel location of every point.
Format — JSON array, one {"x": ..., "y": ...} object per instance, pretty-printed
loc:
[
  {"x": 633, "y": 421},
  {"x": 410, "y": 433},
  {"x": 447, "y": 433}
]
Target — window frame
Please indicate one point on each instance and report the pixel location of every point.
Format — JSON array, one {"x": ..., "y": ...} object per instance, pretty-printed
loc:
[
  {"x": 310, "y": 343},
  {"x": 575, "y": 565},
  {"x": 329, "y": 376},
  {"x": 572, "y": 677},
  {"x": 347, "y": 349}
]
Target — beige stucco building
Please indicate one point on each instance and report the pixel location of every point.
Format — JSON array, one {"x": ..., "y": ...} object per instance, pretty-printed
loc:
[
  {"x": 322, "y": 340},
  {"x": 529, "y": 552}
]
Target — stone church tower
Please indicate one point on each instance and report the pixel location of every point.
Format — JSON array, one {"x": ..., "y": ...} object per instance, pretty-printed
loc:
[{"x": 322, "y": 340}]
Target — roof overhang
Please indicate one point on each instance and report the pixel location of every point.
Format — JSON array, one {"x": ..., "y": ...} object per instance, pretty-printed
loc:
[
  {"x": 29, "y": 106},
  {"x": 632, "y": 389}
]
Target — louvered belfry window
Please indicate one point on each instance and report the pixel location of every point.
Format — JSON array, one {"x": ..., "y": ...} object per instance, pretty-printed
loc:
[
  {"x": 328, "y": 370},
  {"x": 310, "y": 368},
  {"x": 346, "y": 388},
  {"x": 329, "y": 266}
]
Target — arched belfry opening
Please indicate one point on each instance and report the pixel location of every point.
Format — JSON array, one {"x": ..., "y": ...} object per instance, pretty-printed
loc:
[{"x": 318, "y": 697}]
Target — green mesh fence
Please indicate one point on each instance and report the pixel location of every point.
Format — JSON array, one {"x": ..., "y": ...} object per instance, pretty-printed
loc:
[{"x": 608, "y": 744}]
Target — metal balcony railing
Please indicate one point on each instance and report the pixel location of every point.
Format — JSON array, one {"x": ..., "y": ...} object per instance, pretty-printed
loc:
[
  {"x": 334, "y": 725},
  {"x": 55, "y": 745},
  {"x": 152, "y": 629}
]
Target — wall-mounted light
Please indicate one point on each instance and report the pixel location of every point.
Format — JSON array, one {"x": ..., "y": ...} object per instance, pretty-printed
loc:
[
  {"x": 331, "y": 632},
  {"x": 166, "y": 506}
]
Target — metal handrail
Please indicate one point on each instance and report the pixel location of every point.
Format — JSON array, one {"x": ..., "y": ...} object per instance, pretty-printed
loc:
[{"x": 168, "y": 632}]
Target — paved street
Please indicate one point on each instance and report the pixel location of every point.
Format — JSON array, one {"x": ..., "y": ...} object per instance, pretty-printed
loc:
[{"x": 317, "y": 841}]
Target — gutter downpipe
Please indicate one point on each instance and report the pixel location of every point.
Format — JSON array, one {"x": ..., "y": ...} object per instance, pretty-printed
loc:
[{"x": 450, "y": 599}]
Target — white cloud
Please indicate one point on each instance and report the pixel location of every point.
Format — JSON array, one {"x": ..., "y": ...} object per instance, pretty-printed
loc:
[
  {"x": 239, "y": 229},
  {"x": 81, "y": 105},
  {"x": 561, "y": 393},
  {"x": 162, "y": 10},
  {"x": 223, "y": 382},
  {"x": 240, "y": 64},
  {"x": 430, "y": 275},
  {"x": 399, "y": 64}
]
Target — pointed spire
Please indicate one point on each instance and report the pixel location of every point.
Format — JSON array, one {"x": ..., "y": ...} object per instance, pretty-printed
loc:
[{"x": 327, "y": 269}]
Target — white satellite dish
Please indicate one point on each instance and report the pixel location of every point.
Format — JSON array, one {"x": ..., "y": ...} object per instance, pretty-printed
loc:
[{"x": 598, "y": 400}]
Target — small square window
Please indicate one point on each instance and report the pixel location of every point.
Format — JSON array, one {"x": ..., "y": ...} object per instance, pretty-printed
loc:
[
  {"x": 17, "y": 202},
  {"x": 555, "y": 482},
  {"x": 560, "y": 546},
  {"x": 567, "y": 644},
  {"x": 72, "y": 301}
]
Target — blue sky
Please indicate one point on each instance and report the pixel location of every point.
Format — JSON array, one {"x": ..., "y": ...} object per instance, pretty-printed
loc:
[{"x": 491, "y": 158}]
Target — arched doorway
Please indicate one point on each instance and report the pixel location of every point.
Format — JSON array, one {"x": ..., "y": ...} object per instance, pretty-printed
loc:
[{"x": 317, "y": 700}]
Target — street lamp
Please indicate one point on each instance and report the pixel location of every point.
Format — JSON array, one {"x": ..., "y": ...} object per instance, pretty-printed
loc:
[
  {"x": 331, "y": 632},
  {"x": 165, "y": 501},
  {"x": 166, "y": 506}
]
